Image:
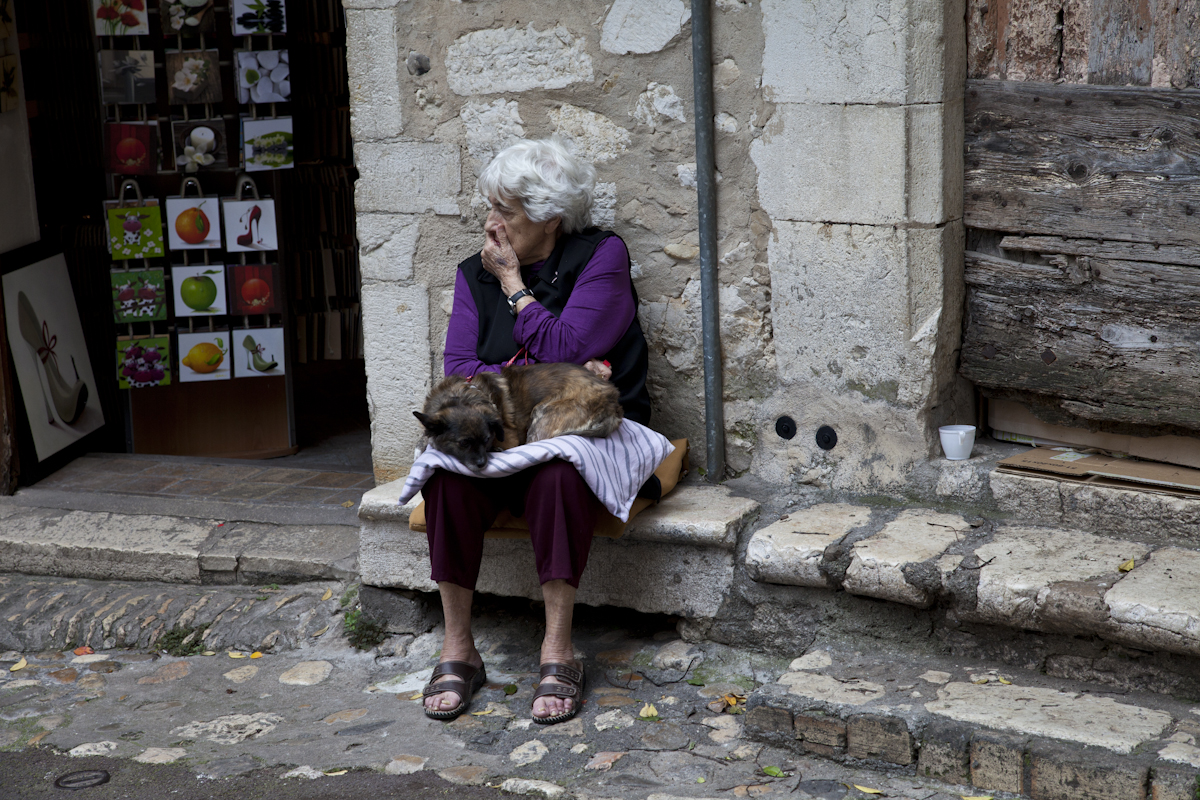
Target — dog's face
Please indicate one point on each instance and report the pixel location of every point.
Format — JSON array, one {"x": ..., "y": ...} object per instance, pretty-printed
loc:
[{"x": 465, "y": 433}]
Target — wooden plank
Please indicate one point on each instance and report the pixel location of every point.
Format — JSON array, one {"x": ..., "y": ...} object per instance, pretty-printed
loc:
[
  {"x": 1095, "y": 248},
  {"x": 1119, "y": 347},
  {"x": 1176, "y": 42},
  {"x": 1122, "y": 43},
  {"x": 238, "y": 418},
  {"x": 1087, "y": 162}
]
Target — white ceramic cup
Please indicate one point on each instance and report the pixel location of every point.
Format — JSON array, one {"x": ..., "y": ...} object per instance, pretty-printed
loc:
[{"x": 957, "y": 441}]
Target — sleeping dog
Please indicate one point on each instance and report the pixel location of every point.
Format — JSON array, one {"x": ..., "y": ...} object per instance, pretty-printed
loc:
[{"x": 467, "y": 419}]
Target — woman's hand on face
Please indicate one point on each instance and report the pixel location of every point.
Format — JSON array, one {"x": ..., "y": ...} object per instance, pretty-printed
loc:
[
  {"x": 500, "y": 259},
  {"x": 597, "y": 367}
]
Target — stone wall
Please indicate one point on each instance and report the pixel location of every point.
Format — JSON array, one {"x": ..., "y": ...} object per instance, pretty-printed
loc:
[{"x": 839, "y": 158}]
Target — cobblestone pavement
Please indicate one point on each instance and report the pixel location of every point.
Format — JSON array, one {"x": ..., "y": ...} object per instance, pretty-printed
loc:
[{"x": 312, "y": 705}]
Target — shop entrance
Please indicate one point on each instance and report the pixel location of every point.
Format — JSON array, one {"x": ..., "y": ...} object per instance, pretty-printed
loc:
[{"x": 220, "y": 308}]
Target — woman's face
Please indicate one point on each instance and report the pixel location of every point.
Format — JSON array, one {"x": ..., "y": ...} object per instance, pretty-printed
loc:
[{"x": 531, "y": 241}]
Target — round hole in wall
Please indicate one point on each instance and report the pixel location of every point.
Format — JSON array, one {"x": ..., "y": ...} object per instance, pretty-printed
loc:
[
  {"x": 826, "y": 437},
  {"x": 786, "y": 427}
]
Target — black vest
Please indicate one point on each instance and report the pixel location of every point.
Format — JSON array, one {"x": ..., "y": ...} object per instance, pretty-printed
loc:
[{"x": 552, "y": 287}]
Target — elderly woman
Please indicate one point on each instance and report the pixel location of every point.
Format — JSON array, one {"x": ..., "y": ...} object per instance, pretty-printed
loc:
[{"x": 549, "y": 287}]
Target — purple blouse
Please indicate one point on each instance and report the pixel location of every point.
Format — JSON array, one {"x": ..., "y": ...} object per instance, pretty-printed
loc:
[{"x": 598, "y": 312}]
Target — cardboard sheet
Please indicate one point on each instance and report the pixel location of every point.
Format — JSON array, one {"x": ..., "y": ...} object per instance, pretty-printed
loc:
[{"x": 1067, "y": 464}]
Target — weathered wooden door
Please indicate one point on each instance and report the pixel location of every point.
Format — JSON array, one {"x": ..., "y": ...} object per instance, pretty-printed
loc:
[{"x": 1082, "y": 201}]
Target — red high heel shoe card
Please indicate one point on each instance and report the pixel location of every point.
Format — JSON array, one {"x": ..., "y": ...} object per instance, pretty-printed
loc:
[{"x": 249, "y": 226}]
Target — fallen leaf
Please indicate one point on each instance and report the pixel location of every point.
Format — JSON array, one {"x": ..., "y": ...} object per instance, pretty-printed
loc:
[
  {"x": 699, "y": 780},
  {"x": 717, "y": 706},
  {"x": 83, "y": 651},
  {"x": 981, "y": 681},
  {"x": 648, "y": 711},
  {"x": 417, "y": 696},
  {"x": 696, "y": 682},
  {"x": 774, "y": 772},
  {"x": 338, "y": 772},
  {"x": 510, "y": 689},
  {"x": 1127, "y": 566},
  {"x": 236, "y": 655},
  {"x": 22, "y": 664},
  {"x": 867, "y": 789},
  {"x": 328, "y": 594},
  {"x": 976, "y": 797},
  {"x": 209, "y": 653},
  {"x": 1006, "y": 681},
  {"x": 348, "y": 504},
  {"x": 256, "y": 654},
  {"x": 318, "y": 633},
  {"x": 38, "y": 738},
  {"x": 482, "y": 713}
]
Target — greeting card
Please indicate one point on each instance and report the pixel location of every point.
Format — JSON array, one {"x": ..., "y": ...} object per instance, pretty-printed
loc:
[
  {"x": 135, "y": 232},
  {"x": 203, "y": 356},
  {"x": 249, "y": 225},
  {"x": 254, "y": 289},
  {"x": 131, "y": 148},
  {"x": 199, "y": 290},
  {"x": 139, "y": 295},
  {"x": 258, "y": 352},
  {"x": 143, "y": 362},
  {"x": 194, "y": 76},
  {"x": 193, "y": 223},
  {"x": 267, "y": 143}
]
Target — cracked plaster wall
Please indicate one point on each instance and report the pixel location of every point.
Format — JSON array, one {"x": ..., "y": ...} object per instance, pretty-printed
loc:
[{"x": 839, "y": 204}]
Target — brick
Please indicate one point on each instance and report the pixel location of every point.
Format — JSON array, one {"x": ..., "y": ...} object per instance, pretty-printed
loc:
[
  {"x": 945, "y": 752},
  {"x": 882, "y": 738},
  {"x": 822, "y": 735},
  {"x": 998, "y": 763},
  {"x": 768, "y": 719},
  {"x": 1054, "y": 778},
  {"x": 1173, "y": 783}
]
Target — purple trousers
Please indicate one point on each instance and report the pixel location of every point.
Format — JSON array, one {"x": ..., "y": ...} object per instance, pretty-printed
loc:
[{"x": 556, "y": 502}]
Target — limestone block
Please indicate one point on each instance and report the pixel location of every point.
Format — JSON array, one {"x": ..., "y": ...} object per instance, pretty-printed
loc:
[
  {"x": 1053, "y": 775},
  {"x": 1157, "y": 605},
  {"x": 709, "y": 516},
  {"x": 516, "y": 60},
  {"x": 1129, "y": 512},
  {"x": 1082, "y": 718},
  {"x": 352, "y": 4},
  {"x": 1037, "y": 500},
  {"x": 840, "y": 311},
  {"x": 917, "y": 535},
  {"x": 642, "y": 26},
  {"x": 407, "y": 177},
  {"x": 790, "y": 551},
  {"x": 834, "y": 163},
  {"x": 372, "y": 69},
  {"x": 386, "y": 245},
  {"x": 645, "y": 576},
  {"x": 604, "y": 205},
  {"x": 816, "y": 686},
  {"x": 1024, "y": 565},
  {"x": 862, "y": 51},
  {"x": 84, "y": 544},
  {"x": 396, "y": 347},
  {"x": 596, "y": 137},
  {"x": 935, "y": 163},
  {"x": 657, "y": 105},
  {"x": 491, "y": 127}
]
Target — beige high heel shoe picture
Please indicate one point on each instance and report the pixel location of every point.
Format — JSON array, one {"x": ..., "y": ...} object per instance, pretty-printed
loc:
[{"x": 69, "y": 399}]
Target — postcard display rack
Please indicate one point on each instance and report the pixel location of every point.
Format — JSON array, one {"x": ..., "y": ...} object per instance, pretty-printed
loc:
[{"x": 196, "y": 97}]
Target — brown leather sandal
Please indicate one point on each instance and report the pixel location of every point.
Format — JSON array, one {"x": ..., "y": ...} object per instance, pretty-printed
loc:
[
  {"x": 471, "y": 678},
  {"x": 572, "y": 690}
]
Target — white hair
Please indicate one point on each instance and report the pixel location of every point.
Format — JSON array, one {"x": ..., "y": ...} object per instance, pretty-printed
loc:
[{"x": 546, "y": 178}]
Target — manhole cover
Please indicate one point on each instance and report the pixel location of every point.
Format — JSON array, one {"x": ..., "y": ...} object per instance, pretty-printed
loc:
[{"x": 82, "y": 780}]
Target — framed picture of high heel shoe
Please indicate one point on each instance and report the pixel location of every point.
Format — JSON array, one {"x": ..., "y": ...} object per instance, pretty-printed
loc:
[
  {"x": 257, "y": 352},
  {"x": 204, "y": 356},
  {"x": 249, "y": 226},
  {"x": 199, "y": 290},
  {"x": 143, "y": 362},
  {"x": 50, "y": 356},
  {"x": 253, "y": 289}
]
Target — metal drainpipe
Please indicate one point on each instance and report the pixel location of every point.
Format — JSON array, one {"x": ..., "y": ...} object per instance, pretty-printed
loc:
[{"x": 706, "y": 197}]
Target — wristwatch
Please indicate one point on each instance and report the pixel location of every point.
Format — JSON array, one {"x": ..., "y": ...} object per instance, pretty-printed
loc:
[{"x": 512, "y": 301}]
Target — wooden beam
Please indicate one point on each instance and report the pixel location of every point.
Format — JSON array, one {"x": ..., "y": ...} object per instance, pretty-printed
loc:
[
  {"x": 1088, "y": 162},
  {"x": 1119, "y": 342},
  {"x": 1095, "y": 248}
]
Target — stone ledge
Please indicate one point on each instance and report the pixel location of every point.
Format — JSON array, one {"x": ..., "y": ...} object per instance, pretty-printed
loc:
[
  {"x": 1048, "y": 739},
  {"x": 675, "y": 558},
  {"x": 1030, "y": 578}
]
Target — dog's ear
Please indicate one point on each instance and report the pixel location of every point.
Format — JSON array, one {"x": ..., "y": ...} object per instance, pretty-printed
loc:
[
  {"x": 497, "y": 430},
  {"x": 433, "y": 425}
]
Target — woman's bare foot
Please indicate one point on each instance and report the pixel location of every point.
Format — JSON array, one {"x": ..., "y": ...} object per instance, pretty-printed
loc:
[
  {"x": 444, "y": 701},
  {"x": 458, "y": 644},
  {"x": 549, "y": 706}
]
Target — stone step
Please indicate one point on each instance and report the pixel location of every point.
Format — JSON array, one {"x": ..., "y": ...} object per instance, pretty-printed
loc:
[
  {"x": 1139, "y": 592},
  {"x": 677, "y": 557},
  {"x": 972, "y": 723},
  {"x": 109, "y": 537}
]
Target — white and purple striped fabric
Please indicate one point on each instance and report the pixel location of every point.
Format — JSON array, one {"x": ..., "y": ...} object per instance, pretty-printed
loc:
[{"x": 614, "y": 467}]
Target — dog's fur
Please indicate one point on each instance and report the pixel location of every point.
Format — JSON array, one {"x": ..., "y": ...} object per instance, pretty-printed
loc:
[{"x": 525, "y": 403}]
